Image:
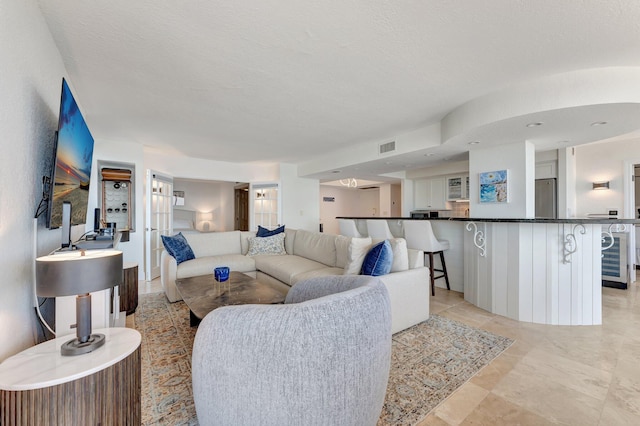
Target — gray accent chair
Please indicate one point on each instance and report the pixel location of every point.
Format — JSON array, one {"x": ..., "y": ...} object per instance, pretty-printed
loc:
[{"x": 322, "y": 358}]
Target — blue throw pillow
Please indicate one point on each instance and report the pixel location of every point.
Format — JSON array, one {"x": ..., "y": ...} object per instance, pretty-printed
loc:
[
  {"x": 264, "y": 232},
  {"x": 378, "y": 261},
  {"x": 178, "y": 247}
]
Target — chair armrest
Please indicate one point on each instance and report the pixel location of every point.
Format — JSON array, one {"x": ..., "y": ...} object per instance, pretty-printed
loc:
[
  {"x": 315, "y": 288},
  {"x": 168, "y": 274}
]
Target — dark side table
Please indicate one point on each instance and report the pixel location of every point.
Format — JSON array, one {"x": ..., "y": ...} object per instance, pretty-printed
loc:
[
  {"x": 39, "y": 386},
  {"x": 129, "y": 289}
]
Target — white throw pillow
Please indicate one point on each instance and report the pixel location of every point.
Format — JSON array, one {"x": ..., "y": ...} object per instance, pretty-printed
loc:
[
  {"x": 273, "y": 245},
  {"x": 342, "y": 250},
  {"x": 358, "y": 249},
  {"x": 400, "y": 254}
]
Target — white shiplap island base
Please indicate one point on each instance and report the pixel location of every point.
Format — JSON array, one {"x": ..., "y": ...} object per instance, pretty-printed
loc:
[
  {"x": 536, "y": 272},
  {"x": 546, "y": 271}
]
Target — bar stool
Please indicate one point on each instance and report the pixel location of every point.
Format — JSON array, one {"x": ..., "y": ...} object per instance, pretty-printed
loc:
[
  {"x": 379, "y": 229},
  {"x": 348, "y": 228},
  {"x": 419, "y": 235}
]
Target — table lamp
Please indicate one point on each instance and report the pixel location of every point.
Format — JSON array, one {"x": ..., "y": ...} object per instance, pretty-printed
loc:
[{"x": 79, "y": 273}]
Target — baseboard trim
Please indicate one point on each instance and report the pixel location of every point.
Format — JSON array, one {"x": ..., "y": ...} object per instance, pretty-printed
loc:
[{"x": 614, "y": 284}]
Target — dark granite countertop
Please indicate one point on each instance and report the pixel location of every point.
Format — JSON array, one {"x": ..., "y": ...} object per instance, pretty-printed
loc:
[{"x": 586, "y": 220}]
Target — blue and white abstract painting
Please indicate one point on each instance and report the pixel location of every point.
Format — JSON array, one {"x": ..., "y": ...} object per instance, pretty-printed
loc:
[{"x": 494, "y": 187}]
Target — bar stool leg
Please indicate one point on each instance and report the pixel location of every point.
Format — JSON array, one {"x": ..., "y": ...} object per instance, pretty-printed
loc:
[
  {"x": 444, "y": 270},
  {"x": 432, "y": 274}
]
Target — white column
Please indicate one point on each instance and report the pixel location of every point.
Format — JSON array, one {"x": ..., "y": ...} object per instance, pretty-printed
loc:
[{"x": 519, "y": 160}]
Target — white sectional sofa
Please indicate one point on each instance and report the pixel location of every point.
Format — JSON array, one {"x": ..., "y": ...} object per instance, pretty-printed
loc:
[{"x": 309, "y": 254}]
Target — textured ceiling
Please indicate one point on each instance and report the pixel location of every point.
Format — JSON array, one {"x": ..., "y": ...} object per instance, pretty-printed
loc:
[{"x": 289, "y": 81}]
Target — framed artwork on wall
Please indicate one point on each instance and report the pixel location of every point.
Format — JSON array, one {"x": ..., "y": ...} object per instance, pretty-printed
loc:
[{"x": 494, "y": 187}]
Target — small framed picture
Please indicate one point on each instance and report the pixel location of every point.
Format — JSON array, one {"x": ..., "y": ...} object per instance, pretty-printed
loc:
[{"x": 494, "y": 187}]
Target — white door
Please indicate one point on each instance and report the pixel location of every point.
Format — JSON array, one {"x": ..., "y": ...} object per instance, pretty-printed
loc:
[
  {"x": 265, "y": 205},
  {"x": 159, "y": 219}
]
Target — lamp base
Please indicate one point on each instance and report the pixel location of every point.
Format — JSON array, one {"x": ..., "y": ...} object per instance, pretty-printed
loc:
[{"x": 76, "y": 347}]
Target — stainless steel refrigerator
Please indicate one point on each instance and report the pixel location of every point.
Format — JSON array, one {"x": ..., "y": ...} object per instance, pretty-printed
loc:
[{"x": 546, "y": 198}]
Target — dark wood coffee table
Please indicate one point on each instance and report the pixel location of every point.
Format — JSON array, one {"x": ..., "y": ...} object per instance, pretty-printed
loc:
[{"x": 203, "y": 294}]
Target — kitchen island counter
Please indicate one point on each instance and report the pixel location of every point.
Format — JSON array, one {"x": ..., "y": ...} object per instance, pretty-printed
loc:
[{"x": 545, "y": 271}]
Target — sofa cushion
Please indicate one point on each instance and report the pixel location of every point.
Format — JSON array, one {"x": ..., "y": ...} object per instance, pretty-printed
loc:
[
  {"x": 273, "y": 245},
  {"x": 205, "y": 265},
  {"x": 244, "y": 241},
  {"x": 264, "y": 232},
  {"x": 178, "y": 247},
  {"x": 342, "y": 250},
  {"x": 400, "y": 254},
  {"x": 289, "y": 239},
  {"x": 324, "y": 272},
  {"x": 379, "y": 260},
  {"x": 214, "y": 243},
  {"x": 315, "y": 246},
  {"x": 358, "y": 249},
  {"x": 284, "y": 268}
]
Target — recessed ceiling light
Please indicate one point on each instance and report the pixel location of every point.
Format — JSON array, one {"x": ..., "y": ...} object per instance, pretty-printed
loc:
[
  {"x": 388, "y": 162},
  {"x": 599, "y": 123},
  {"x": 429, "y": 154},
  {"x": 474, "y": 142},
  {"x": 335, "y": 171},
  {"x": 535, "y": 124}
]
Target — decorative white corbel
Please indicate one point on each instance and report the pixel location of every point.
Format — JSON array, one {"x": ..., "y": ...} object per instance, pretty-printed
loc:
[
  {"x": 570, "y": 245},
  {"x": 478, "y": 238}
]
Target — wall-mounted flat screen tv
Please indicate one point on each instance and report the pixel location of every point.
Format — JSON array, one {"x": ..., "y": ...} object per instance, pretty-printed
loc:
[{"x": 72, "y": 170}]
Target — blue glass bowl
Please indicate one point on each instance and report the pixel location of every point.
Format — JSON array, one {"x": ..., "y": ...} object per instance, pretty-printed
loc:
[{"x": 221, "y": 273}]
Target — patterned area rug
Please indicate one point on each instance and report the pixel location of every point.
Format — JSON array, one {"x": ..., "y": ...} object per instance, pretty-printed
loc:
[{"x": 429, "y": 361}]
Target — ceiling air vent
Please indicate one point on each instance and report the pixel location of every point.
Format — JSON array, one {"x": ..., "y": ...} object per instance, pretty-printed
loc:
[{"x": 387, "y": 147}]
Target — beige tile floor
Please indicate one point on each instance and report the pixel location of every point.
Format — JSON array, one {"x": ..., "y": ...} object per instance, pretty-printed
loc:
[{"x": 583, "y": 375}]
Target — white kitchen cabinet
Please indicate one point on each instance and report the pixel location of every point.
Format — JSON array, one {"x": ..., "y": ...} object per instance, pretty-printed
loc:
[
  {"x": 458, "y": 187},
  {"x": 429, "y": 194}
]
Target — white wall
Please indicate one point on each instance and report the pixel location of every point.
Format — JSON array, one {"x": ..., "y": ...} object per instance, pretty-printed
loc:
[
  {"x": 198, "y": 168},
  {"x": 368, "y": 202},
  {"x": 519, "y": 160},
  {"x": 384, "y": 196},
  {"x": 449, "y": 168},
  {"x": 369, "y": 151},
  {"x": 348, "y": 203},
  {"x": 32, "y": 71},
  {"x": 207, "y": 196},
  {"x": 603, "y": 162},
  {"x": 345, "y": 204},
  {"x": 300, "y": 199}
]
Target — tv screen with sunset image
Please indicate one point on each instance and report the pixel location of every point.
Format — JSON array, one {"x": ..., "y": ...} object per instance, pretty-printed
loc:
[{"x": 72, "y": 172}]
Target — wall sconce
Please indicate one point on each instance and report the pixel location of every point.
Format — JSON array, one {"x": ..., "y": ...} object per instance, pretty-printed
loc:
[{"x": 601, "y": 185}]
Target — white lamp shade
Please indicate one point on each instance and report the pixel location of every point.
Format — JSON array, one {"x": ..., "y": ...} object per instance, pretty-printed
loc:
[
  {"x": 205, "y": 216},
  {"x": 78, "y": 272}
]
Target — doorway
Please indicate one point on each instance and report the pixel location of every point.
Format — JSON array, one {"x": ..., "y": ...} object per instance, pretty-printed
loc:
[
  {"x": 241, "y": 208},
  {"x": 159, "y": 218},
  {"x": 631, "y": 187}
]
